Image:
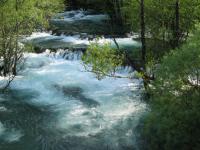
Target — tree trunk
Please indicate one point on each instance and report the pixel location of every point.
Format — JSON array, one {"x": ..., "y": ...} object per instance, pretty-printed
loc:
[
  {"x": 142, "y": 26},
  {"x": 14, "y": 67},
  {"x": 177, "y": 25}
]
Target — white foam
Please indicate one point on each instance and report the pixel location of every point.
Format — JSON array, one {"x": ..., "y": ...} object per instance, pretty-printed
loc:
[
  {"x": 2, "y": 129},
  {"x": 35, "y": 35},
  {"x": 71, "y": 16},
  {"x": 116, "y": 97},
  {"x": 3, "y": 109},
  {"x": 76, "y": 41},
  {"x": 9, "y": 135},
  {"x": 13, "y": 136}
]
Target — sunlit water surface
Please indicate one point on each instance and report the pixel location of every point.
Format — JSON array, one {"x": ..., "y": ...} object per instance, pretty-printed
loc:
[{"x": 55, "y": 105}]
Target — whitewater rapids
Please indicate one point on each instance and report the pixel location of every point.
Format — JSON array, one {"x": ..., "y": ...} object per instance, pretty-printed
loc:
[{"x": 53, "y": 104}]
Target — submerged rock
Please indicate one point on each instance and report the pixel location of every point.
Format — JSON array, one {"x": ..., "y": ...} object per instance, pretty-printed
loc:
[{"x": 77, "y": 93}]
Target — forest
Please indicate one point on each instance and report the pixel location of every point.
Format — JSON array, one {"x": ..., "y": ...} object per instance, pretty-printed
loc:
[{"x": 99, "y": 74}]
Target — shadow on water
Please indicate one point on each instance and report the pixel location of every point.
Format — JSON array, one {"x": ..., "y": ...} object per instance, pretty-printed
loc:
[
  {"x": 24, "y": 118},
  {"x": 37, "y": 133},
  {"x": 77, "y": 93},
  {"x": 32, "y": 121}
]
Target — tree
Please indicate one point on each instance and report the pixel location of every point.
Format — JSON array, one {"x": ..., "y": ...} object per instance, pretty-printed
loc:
[
  {"x": 103, "y": 60},
  {"x": 173, "y": 122},
  {"x": 19, "y": 17},
  {"x": 177, "y": 24},
  {"x": 142, "y": 24},
  {"x": 168, "y": 21}
]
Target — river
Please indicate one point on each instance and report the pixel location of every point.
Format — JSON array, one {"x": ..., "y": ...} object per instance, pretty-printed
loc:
[{"x": 53, "y": 104}]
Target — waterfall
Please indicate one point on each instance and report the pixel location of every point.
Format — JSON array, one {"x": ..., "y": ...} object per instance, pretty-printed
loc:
[
  {"x": 70, "y": 55},
  {"x": 65, "y": 54}
]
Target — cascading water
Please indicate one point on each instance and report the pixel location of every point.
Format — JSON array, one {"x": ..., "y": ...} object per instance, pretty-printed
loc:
[
  {"x": 80, "y": 24},
  {"x": 81, "y": 21},
  {"x": 65, "y": 54},
  {"x": 53, "y": 104},
  {"x": 47, "y": 40}
]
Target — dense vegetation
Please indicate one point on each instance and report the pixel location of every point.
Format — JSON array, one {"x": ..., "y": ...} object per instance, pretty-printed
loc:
[
  {"x": 174, "y": 117},
  {"x": 173, "y": 82},
  {"x": 19, "y": 17}
]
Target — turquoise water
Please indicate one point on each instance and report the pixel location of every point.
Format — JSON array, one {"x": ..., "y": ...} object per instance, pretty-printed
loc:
[{"x": 53, "y": 104}]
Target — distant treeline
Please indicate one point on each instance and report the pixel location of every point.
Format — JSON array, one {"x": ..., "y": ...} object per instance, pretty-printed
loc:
[{"x": 98, "y": 5}]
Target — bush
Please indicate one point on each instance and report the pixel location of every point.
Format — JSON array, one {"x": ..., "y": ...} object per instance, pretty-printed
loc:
[
  {"x": 174, "y": 120},
  {"x": 102, "y": 60}
]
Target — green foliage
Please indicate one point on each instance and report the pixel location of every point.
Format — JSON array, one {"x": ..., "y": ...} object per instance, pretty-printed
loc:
[
  {"x": 131, "y": 11},
  {"x": 102, "y": 60},
  {"x": 160, "y": 17},
  {"x": 27, "y": 14},
  {"x": 173, "y": 122},
  {"x": 18, "y": 18}
]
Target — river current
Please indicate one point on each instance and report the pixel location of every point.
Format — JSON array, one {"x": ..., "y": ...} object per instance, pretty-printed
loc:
[{"x": 54, "y": 104}]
